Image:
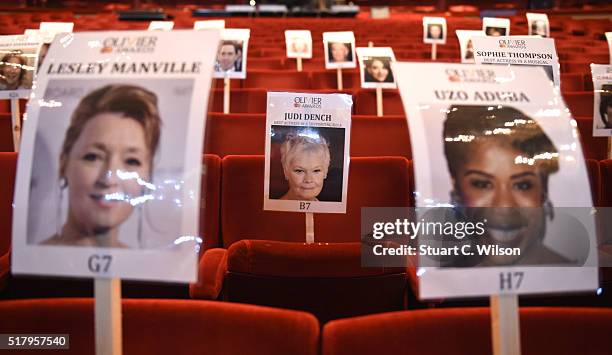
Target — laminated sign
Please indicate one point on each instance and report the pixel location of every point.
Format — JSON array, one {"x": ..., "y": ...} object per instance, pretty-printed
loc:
[
  {"x": 502, "y": 192},
  {"x": 108, "y": 178},
  {"x": 307, "y": 152},
  {"x": 515, "y": 50}
]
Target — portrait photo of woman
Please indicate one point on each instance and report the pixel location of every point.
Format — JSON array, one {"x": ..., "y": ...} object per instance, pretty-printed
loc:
[
  {"x": 539, "y": 28},
  {"x": 435, "y": 31},
  {"x": 306, "y": 163},
  {"x": 106, "y": 164},
  {"x": 605, "y": 107},
  {"x": 469, "y": 50},
  {"x": 500, "y": 163},
  {"x": 378, "y": 70},
  {"x": 13, "y": 71},
  {"x": 495, "y": 31}
]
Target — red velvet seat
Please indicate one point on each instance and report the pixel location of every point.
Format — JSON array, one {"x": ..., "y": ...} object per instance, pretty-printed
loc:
[
  {"x": 579, "y": 103},
  {"x": 365, "y": 103},
  {"x": 373, "y": 182},
  {"x": 277, "y": 80},
  {"x": 8, "y": 168},
  {"x": 593, "y": 170},
  {"x": 6, "y": 133},
  {"x": 328, "y": 79},
  {"x": 210, "y": 200},
  {"x": 232, "y": 134},
  {"x": 606, "y": 182},
  {"x": 592, "y": 147},
  {"x": 575, "y": 67},
  {"x": 380, "y": 136},
  {"x": 468, "y": 331},
  {"x": 169, "y": 327},
  {"x": 572, "y": 82},
  {"x": 241, "y": 101}
]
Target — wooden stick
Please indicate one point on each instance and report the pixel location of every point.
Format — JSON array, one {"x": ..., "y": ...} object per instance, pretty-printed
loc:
[
  {"x": 16, "y": 123},
  {"x": 434, "y": 51},
  {"x": 379, "y": 102},
  {"x": 339, "y": 78},
  {"x": 108, "y": 316},
  {"x": 309, "y": 227},
  {"x": 299, "y": 63},
  {"x": 226, "y": 94},
  {"x": 505, "y": 325},
  {"x": 370, "y": 44}
]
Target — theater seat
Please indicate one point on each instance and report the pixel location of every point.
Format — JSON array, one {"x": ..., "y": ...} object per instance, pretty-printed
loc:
[
  {"x": 579, "y": 103},
  {"x": 592, "y": 147},
  {"x": 606, "y": 182},
  {"x": 277, "y": 80},
  {"x": 556, "y": 331},
  {"x": 210, "y": 198},
  {"x": 169, "y": 326},
  {"x": 6, "y": 133},
  {"x": 572, "y": 82},
  {"x": 235, "y": 134},
  {"x": 328, "y": 79},
  {"x": 380, "y": 136},
  {"x": 8, "y": 167},
  {"x": 241, "y": 101},
  {"x": 268, "y": 260},
  {"x": 365, "y": 103}
]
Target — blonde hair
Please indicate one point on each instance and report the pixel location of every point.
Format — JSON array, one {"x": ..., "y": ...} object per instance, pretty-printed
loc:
[{"x": 295, "y": 144}]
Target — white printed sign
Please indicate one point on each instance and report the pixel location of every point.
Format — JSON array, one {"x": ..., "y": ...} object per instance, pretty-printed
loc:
[
  {"x": 18, "y": 61},
  {"x": 231, "y": 60},
  {"x": 602, "y": 110},
  {"x": 161, "y": 25},
  {"x": 339, "y": 50},
  {"x": 56, "y": 27},
  {"x": 108, "y": 177},
  {"x": 434, "y": 30},
  {"x": 496, "y": 27},
  {"x": 466, "y": 44},
  {"x": 519, "y": 50},
  {"x": 307, "y": 152},
  {"x": 375, "y": 67},
  {"x": 538, "y": 25},
  {"x": 299, "y": 44},
  {"x": 497, "y": 144},
  {"x": 209, "y": 25}
]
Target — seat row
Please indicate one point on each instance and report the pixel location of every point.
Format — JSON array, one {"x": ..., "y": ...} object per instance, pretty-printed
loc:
[
  {"x": 201, "y": 327},
  {"x": 260, "y": 257}
]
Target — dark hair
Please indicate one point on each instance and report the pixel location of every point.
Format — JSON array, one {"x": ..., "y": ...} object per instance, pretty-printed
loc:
[
  {"x": 133, "y": 102},
  {"x": 237, "y": 46},
  {"x": 605, "y": 102},
  {"x": 384, "y": 60},
  {"x": 22, "y": 62},
  {"x": 467, "y": 125}
]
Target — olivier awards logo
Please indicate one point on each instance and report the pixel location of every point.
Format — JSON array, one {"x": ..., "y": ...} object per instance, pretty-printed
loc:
[
  {"x": 513, "y": 43},
  {"x": 470, "y": 75},
  {"x": 307, "y": 102},
  {"x": 129, "y": 44}
]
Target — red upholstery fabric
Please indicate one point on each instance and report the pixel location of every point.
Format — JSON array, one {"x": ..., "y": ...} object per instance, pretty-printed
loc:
[
  {"x": 328, "y": 79},
  {"x": 169, "y": 326},
  {"x": 468, "y": 331},
  {"x": 210, "y": 200},
  {"x": 595, "y": 180},
  {"x": 580, "y": 103},
  {"x": 373, "y": 182},
  {"x": 211, "y": 272},
  {"x": 8, "y": 167},
  {"x": 6, "y": 133},
  {"x": 241, "y": 101},
  {"x": 275, "y": 80},
  {"x": 592, "y": 147},
  {"x": 572, "y": 82},
  {"x": 365, "y": 103},
  {"x": 606, "y": 182},
  {"x": 291, "y": 259},
  {"x": 380, "y": 136},
  {"x": 232, "y": 134}
]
